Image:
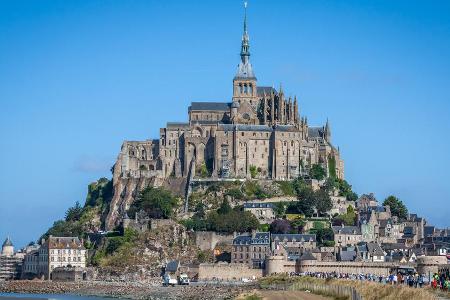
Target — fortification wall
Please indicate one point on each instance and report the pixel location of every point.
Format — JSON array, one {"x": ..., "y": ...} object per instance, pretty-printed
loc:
[
  {"x": 226, "y": 271},
  {"x": 430, "y": 264}
]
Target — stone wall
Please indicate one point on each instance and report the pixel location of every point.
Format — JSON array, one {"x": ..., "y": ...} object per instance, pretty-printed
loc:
[
  {"x": 226, "y": 271},
  {"x": 207, "y": 240},
  {"x": 68, "y": 274},
  {"x": 430, "y": 264}
]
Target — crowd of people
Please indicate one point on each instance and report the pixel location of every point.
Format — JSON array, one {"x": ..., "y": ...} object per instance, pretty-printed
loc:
[
  {"x": 411, "y": 279},
  {"x": 441, "y": 281}
]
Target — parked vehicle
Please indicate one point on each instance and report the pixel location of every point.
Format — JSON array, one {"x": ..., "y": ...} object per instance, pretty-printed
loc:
[
  {"x": 183, "y": 279},
  {"x": 169, "y": 280}
]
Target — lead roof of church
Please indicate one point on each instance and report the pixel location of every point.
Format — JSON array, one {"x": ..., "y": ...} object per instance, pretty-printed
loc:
[{"x": 220, "y": 106}]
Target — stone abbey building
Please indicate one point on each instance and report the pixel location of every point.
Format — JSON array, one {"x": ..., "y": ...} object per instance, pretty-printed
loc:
[{"x": 260, "y": 133}]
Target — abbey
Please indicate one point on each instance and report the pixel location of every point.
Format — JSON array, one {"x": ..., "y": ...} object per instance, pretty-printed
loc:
[{"x": 259, "y": 134}]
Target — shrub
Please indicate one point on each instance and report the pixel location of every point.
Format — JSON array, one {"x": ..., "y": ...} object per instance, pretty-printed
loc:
[{"x": 156, "y": 202}]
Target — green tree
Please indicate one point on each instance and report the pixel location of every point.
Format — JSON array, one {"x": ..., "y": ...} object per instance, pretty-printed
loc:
[
  {"x": 322, "y": 201},
  {"x": 332, "y": 166},
  {"x": 224, "y": 208},
  {"x": 279, "y": 209},
  {"x": 317, "y": 172},
  {"x": 347, "y": 219},
  {"x": 74, "y": 213},
  {"x": 235, "y": 193},
  {"x": 323, "y": 236},
  {"x": 253, "y": 171},
  {"x": 397, "y": 207},
  {"x": 156, "y": 202},
  {"x": 280, "y": 226}
]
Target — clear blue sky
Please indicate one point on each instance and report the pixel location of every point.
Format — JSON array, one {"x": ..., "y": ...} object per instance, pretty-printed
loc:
[{"x": 79, "y": 77}]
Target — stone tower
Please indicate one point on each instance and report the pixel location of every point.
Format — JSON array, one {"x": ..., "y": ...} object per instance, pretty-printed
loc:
[{"x": 7, "y": 247}]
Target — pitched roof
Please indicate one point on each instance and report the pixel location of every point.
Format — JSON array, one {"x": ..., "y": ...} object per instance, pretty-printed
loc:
[
  {"x": 267, "y": 89},
  {"x": 220, "y": 106},
  {"x": 289, "y": 237},
  {"x": 346, "y": 230},
  {"x": 177, "y": 124},
  {"x": 261, "y": 238},
  {"x": 65, "y": 243},
  {"x": 258, "y": 205},
  {"x": 375, "y": 249},
  {"x": 315, "y": 132},
  {"x": 7, "y": 242},
  {"x": 307, "y": 256},
  {"x": 240, "y": 127},
  {"x": 347, "y": 255}
]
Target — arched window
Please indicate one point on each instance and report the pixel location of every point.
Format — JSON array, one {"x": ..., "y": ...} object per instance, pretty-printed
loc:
[
  {"x": 245, "y": 88},
  {"x": 251, "y": 89},
  {"x": 240, "y": 88}
]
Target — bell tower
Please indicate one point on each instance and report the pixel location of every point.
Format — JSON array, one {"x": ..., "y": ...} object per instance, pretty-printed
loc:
[{"x": 244, "y": 83}]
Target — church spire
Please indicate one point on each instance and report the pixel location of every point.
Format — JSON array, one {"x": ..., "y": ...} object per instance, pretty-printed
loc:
[
  {"x": 245, "y": 46},
  {"x": 245, "y": 67}
]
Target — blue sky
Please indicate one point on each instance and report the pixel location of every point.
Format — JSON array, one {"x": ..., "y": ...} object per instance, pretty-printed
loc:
[{"x": 79, "y": 77}]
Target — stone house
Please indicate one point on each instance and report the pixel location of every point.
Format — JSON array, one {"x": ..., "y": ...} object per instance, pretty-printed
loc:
[
  {"x": 294, "y": 244},
  {"x": 251, "y": 249},
  {"x": 346, "y": 235}
]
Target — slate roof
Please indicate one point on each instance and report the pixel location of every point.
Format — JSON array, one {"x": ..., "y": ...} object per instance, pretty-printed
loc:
[
  {"x": 291, "y": 237},
  {"x": 217, "y": 106},
  {"x": 268, "y": 89},
  {"x": 7, "y": 242},
  {"x": 64, "y": 243},
  {"x": 307, "y": 256},
  {"x": 258, "y": 205},
  {"x": 261, "y": 238},
  {"x": 177, "y": 124},
  {"x": 285, "y": 128},
  {"x": 347, "y": 255},
  {"x": 231, "y": 127},
  {"x": 315, "y": 132},
  {"x": 346, "y": 230},
  {"x": 375, "y": 249}
]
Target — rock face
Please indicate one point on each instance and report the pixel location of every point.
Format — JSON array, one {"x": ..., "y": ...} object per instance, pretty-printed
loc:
[{"x": 126, "y": 187}]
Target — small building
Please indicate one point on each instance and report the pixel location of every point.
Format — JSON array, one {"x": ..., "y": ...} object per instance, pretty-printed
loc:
[
  {"x": 30, "y": 268},
  {"x": 262, "y": 211},
  {"x": 251, "y": 249},
  {"x": 294, "y": 244},
  {"x": 346, "y": 235}
]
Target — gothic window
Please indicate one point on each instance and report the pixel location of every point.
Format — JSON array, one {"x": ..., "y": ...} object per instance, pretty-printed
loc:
[
  {"x": 245, "y": 89},
  {"x": 251, "y": 89},
  {"x": 242, "y": 133},
  {"x": 240, "y": 88}
]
